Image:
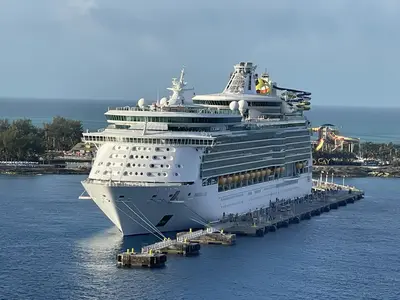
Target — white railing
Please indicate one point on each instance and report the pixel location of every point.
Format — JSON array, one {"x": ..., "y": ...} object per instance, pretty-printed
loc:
[{"x": 187, "y": 236}]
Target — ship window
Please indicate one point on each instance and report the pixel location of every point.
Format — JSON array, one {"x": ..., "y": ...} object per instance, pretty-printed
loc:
[{"x": 128, "y": 165}]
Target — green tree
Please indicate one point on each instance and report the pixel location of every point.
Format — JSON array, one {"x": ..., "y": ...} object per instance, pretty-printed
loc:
[
  {"x": 62, "y": 134},
  {"x": 20, "y": 141}
]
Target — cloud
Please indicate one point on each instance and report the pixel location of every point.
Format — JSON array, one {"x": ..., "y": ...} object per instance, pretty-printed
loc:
[
  {"x": 83, "y": 7},
  {"x": 122, "y": 49}
]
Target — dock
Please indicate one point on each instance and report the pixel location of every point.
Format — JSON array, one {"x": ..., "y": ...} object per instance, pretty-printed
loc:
[{"x": 281, "y": 213}]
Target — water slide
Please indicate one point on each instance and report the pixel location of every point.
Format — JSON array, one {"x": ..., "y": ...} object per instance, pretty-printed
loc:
[{"x": 320, "y": 144}]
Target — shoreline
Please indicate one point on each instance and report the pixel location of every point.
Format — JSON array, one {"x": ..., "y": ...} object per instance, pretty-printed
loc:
[
  {"x": 357, "y": 171},
  {"x": 338, "y": 171}
]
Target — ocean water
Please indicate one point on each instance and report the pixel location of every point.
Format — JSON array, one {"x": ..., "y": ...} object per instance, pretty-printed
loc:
[
  {"x": 54, "y": 246},
  {"x": 369, "y": 124}
]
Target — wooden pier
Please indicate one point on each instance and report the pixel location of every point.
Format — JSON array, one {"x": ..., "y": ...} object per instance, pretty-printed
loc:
[{"x": 282, "y": 213}]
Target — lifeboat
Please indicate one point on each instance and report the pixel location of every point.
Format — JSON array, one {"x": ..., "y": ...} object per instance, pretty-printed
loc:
[
  {"x": 263, "y": 172},
  {"x": 282, "y": 169},
  {"x": 269, "y": 172},
  {"x": 241, "y": 177},
  {"x": 277, "y": 170},
  {"x": 236, "y": 178},
  {"x": 222, "y": 180},
  {"x": 258, "y": 173},
  {"x": 230, "y": 178},
  {"x": 298, "y": 166},
  {"x": 253, "y": 175},
  {"x": 247, "y": 175}
]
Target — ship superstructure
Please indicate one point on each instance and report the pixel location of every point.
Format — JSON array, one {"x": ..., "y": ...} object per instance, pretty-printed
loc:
[{"x": 170, "y": 166}]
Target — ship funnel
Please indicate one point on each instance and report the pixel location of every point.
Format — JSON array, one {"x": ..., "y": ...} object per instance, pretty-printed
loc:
[{"x": 242, "y": 79}]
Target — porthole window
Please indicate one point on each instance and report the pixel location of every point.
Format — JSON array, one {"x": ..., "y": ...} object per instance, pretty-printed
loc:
[
  {"x": 119, "y": 147},
  {"x": 179, "y": 166},
  {"x": 151, "y": 166},
  {"x": 164, "y": 157},
  {"x": 162, "y": 166},
  {"x": 125, "y": 173},
  {"x": 157, "y": 149},
  {"x": 116, "y": 155},
  {"x": 122, "y": 164},
  {"x": 147, "y": 157},
  {"x": 128, "y": 165},
  {"x": 165, "y": 174},
  {"x": 108, "y": 164},
  {"x": 130, "y": 173},
  {"x": 138, "y": 165},
  {"x": 167, "y": 149},
  {"x": 127, "y": 148},
  {"x": 148, "y": 174},
  {"x": 176, "y": 174},
  {"x": 136, "y": 156},
  {"x": 159, "y": 174},
  {"x": 142, "y": 157},
  {"x": 105, "y": 172},
  {"x": 133, "y": 165},
  {"x": 154, "y": 157},
  {"x": 113, "y": 164},
  {"x": 141, "y": 173},
  {"x": 133, "y": 148},
  {"x": 144, "y": 165},
  {"x": 136, "y": 173}
]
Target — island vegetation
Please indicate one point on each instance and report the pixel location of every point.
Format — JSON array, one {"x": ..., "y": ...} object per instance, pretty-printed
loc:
[{"x": 20, "y": 140}]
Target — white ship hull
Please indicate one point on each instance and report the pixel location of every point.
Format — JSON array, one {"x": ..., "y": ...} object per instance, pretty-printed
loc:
[{"x": 131, "y": 207}]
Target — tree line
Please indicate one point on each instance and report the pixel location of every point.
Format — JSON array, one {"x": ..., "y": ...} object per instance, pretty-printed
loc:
[{"x": 21, "y": 140}]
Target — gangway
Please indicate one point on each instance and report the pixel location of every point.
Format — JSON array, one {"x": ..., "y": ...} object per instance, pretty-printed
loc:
[{"x": 181, "y": 239}]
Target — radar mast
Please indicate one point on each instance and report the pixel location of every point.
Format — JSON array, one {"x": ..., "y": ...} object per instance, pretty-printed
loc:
[{"x": 178, "y": 89}]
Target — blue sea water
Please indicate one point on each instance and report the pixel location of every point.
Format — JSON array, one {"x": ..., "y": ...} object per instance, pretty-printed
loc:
[
  {"x": 369, "y": 124},
  {"x": 54, "y": 246}
]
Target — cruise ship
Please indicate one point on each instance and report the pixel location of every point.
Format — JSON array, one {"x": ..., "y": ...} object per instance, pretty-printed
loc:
[{"x": 171, "y": 165}]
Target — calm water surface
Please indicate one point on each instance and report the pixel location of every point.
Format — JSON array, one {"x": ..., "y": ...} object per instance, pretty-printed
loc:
[{"x": 54, "y": 246}]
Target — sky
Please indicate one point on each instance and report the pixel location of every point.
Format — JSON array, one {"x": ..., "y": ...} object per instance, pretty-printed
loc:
[{"x": 345, "y": 51}]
